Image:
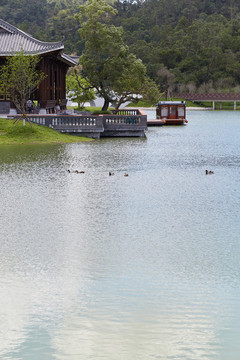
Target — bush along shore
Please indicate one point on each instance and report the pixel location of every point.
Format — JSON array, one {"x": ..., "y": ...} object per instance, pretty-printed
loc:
[{"x": 14, "y": 134}]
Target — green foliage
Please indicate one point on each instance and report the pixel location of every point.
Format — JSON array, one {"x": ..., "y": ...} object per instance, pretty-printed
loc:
[
  {"x": 104, "y": 53},
  {"x": 131, "y": 81},
  {"x": 99, "y": 112},
  {"x": 115, "y": 73},
  {"x": 29, "y": 15},
  {"x": 79, "y": 90},
  {"x": 19, "y": 78},
  {"x": 183, "y": 44},
  {"x": 140, "y": 103}
]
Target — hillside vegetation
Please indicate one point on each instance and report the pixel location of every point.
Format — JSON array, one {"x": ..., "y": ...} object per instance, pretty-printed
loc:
[{"x": 185, "y": 45}]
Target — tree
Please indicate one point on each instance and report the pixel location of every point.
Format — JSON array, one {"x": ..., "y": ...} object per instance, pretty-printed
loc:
[
  {"x": 19, "y": 77},
  {"x": 78, "y": 88},
  {"x": 134, "y": 83},
  {"x": 104, "y": 52},
  {"x": 167, "y": 81},
  {"x": 109, "y": 67}
]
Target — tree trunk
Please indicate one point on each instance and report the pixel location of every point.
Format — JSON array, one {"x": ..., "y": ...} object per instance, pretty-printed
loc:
[
  {"x": 118, "y": 105},
  {"x": 105, "y": 105}
]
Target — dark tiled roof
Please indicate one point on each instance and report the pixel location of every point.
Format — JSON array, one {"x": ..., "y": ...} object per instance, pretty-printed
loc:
[{"x": 13, "y": 40}]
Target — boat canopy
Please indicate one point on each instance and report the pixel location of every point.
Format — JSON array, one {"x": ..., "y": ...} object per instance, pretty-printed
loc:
[{"x": 171, "y": 103}]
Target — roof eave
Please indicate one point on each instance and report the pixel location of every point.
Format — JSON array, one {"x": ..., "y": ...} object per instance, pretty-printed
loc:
[
  {"x": 70, "y": 61},
  {"x": 38, "y": 52}
]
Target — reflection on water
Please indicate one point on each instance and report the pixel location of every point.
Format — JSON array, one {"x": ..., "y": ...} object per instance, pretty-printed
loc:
[{"x": 139, "y": 267}]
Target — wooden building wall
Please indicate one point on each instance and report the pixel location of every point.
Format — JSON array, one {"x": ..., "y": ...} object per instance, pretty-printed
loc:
[{"x": 53, "y": 87}]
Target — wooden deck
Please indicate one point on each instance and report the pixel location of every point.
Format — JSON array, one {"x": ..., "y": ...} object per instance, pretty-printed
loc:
[{"x": 155, "y": 122}]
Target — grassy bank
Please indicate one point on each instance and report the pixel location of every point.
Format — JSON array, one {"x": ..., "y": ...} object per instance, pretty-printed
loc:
[
  {"x": 19, "y": 134},
  {"x": 147, "y": 104},
  {"x": 206, "y": 104}
]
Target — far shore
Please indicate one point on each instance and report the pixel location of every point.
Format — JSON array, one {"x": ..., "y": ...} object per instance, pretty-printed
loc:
[
  {"x": 188, "y": 108},
  {"x": 4, "y": 116}
]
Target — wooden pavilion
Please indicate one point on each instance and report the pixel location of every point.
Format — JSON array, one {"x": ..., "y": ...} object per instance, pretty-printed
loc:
[{"x": 54, "y": 63}]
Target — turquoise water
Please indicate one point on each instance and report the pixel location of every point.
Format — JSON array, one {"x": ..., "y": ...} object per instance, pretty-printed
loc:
[{"x": 147, "y": 266}]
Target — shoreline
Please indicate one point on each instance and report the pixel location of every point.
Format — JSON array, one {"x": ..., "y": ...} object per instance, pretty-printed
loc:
[{"x": 17, "y": 134}]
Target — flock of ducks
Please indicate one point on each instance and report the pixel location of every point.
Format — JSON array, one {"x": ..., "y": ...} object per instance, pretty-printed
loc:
[
  {"x": 207, "y": 172},
  {"x": 83, "y": 172},
  {"x": 76, "y": 171},
  {"x": 112, "y": 173}
]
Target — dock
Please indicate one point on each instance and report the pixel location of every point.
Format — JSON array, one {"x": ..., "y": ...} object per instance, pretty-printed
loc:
[
  {"x": 121, "y": 123},
  {"x": 156, "y": 122}
]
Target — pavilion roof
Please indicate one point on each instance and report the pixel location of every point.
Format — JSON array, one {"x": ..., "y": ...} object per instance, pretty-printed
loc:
[{"x": 13, "y": 40}]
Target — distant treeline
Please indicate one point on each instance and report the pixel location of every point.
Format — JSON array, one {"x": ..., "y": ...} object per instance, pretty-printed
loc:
[{"x": 185, "y": 44}]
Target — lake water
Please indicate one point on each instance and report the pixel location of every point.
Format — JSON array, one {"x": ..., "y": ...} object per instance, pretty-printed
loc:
[{"x": 142, "y": 267}]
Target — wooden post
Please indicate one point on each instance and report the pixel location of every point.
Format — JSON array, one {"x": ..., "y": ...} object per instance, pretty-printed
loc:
[
  {"x": 235, "y": 105},
  {"x": 213, "y": 105}
]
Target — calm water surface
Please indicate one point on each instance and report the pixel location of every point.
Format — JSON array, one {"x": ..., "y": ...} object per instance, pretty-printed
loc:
[{"x": 122, "y": 268}]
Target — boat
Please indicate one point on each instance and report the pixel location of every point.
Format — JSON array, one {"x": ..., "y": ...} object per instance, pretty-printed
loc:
[{"x": 171, "y": 112}]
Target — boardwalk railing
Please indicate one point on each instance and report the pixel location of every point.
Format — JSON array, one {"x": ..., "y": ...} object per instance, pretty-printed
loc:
[
  {"x": 212, "y": 97},
  {"x": 127, "y": 112},
  {"x": 132, "y": 122},
  {"x": 91, "y": 126}
]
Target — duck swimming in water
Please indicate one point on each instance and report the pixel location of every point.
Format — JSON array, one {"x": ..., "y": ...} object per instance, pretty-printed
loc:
[
  {"x": 110, "y": 173},
  {"x": 76, "y": 171},
  {"x": 209, "y": 172}
]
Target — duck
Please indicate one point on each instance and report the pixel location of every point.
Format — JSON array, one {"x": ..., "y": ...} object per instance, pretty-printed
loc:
[
  {"x": 110, "y": 173},
  {"x": 125, "y": 174},
  {"x": 79, "y": 172},
  {"x": 209, "y": 172},
  {"x": 76, "y": 171}
]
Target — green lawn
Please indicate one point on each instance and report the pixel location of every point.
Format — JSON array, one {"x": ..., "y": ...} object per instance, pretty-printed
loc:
[
  {"x": 91, "y": 109},
  {"x": 37, "y": 134},
  {"x": 147, "y": 104}
]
